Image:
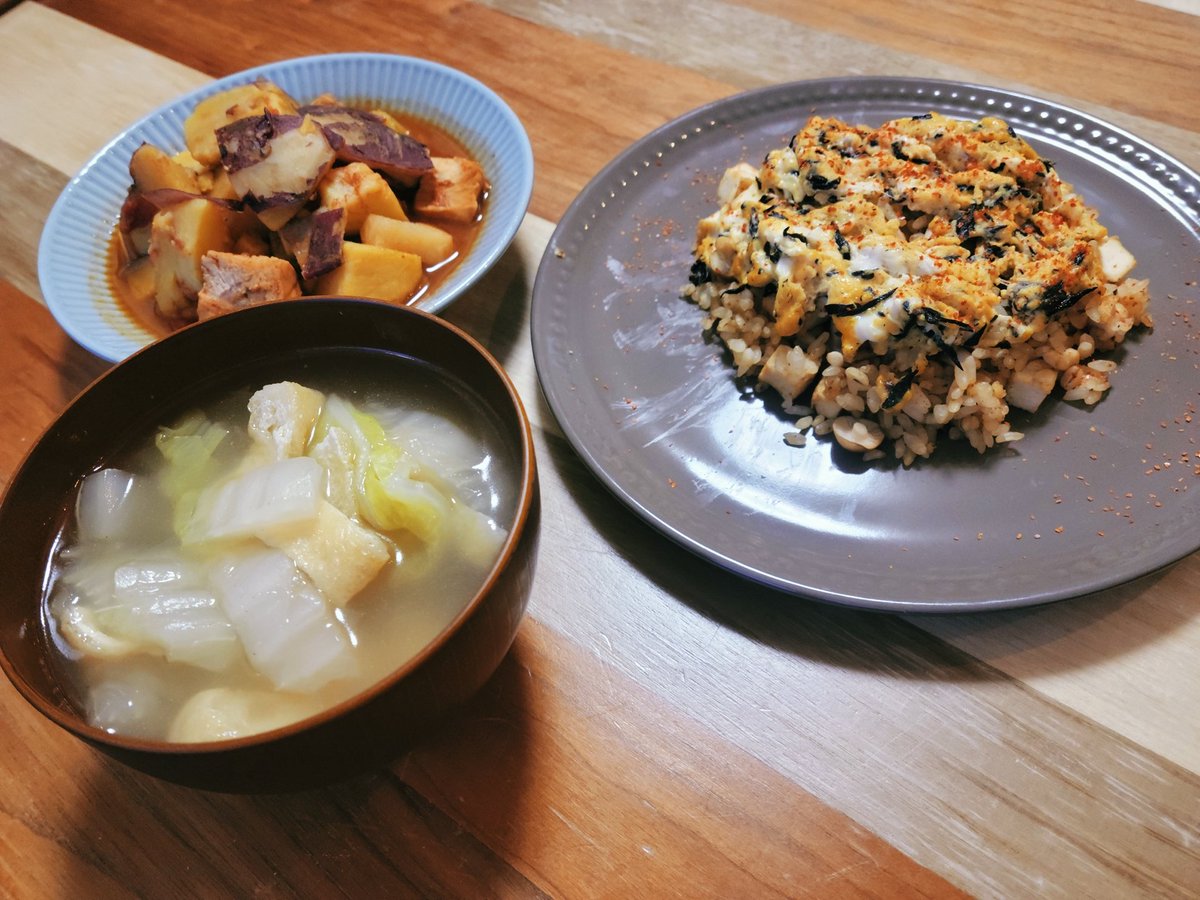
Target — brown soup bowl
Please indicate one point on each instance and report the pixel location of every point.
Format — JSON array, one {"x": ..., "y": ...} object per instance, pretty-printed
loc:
[{"x": 267, "y": 343}]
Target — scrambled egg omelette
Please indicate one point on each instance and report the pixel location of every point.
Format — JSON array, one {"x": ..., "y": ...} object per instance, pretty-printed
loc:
[{"x": 918, "y": 255}]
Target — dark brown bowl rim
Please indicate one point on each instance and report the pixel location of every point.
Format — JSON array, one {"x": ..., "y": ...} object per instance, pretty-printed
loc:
[{"x": 526, "y": 494}]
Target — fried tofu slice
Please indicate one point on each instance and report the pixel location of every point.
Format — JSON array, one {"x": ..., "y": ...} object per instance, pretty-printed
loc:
[
  {"x": 452, "y": 191},
  {"x": 358, "y": 191},
  {"x": 232, "y": 281},
  {"x": 282, "y": 416},
  {"x": 339, "y": 556}
]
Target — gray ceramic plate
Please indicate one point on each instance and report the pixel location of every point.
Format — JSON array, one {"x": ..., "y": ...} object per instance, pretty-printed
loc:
[{"x": 1089, "y": 499}]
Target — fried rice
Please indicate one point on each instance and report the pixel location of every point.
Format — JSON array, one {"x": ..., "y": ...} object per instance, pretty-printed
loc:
[{"x": 920, "y": 279}]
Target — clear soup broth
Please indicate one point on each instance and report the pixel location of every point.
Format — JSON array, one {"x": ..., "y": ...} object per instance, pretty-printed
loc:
[{"x": 158, "y": 632}]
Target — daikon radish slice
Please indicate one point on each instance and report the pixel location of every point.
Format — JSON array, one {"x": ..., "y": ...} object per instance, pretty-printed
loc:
[{"x": 114, "y": 505}]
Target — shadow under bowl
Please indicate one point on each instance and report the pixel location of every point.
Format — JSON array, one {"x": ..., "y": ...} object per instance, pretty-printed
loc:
[{"x": 259, "y": 345}]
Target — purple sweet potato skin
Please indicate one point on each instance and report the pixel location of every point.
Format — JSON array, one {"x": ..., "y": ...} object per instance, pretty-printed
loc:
[
  {"x": 247, "y": 141},
  {"x": 358, "y": 136},
  {"x": 316, "y": 241}
]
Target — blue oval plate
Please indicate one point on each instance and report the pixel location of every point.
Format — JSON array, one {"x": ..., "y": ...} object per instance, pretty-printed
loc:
[{"x": 73, "y": 253}]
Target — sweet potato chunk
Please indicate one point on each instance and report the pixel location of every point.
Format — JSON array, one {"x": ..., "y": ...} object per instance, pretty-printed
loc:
[
  {"x": 153, "y": 170},
  {"x": 452, "y": 191},
  {"x": 359, "y": 191},
  {"x": 138, "y": 212},
  {"x": 390, "y": 121},
  {"x": 139, "y": 278},
  {"x": 275, "y": 163},
  {"x": 180, "y": 235},
  {"x": 374, "y": 272},
  {"x": 315, "y": 241},
  {"x": 228, "y": 106},
  {"x": 221, "y": 187},
  {"x": 429, "y": 242}
]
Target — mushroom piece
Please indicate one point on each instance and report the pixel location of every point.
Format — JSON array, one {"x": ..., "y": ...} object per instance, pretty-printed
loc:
[{"x": 857, "y": 435}]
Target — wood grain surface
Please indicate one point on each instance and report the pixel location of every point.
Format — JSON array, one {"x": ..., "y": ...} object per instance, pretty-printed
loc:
[{"x": 661, "y": 727}]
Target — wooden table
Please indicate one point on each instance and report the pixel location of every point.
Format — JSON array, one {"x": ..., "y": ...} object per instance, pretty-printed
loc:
[{"x": 660, "y": 728}]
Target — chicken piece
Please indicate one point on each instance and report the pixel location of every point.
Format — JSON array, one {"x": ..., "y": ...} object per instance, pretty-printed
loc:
[
  {"x": 789, "y": 370},
  {"x": 735, "y": 180},
  {"x": 1115, "y": 260},
  {"x": 233, "y": 282},
  {"x": 1031, "y": 385},
  {"x": 452, "y": 191}
]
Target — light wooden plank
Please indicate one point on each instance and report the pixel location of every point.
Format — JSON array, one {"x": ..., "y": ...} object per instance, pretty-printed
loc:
[
  {"x": 59, "y": 74},
  {"x": 1126, "y": 658},
  {"x": 975, "y": 775},
  {"x": 639, "y": 795},
  {"x": 25, "y": 213},
  {"x": 1148, "y": 71}
]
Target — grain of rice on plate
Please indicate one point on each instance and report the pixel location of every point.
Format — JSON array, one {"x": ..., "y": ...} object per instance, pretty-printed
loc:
[{"x": 921, "y": 278}]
